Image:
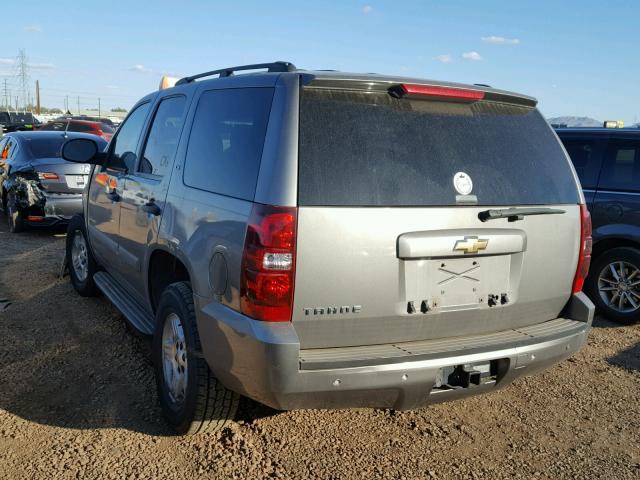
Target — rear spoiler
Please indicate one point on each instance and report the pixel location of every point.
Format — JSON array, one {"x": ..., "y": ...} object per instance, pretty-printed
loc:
[{"x": 396, "y": 88}]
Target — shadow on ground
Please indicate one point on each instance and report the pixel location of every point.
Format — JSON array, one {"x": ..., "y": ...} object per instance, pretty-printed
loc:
[{"x": 70, "y": 361}]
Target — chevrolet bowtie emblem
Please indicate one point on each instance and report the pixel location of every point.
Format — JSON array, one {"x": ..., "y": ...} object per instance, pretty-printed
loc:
[{"x": 470, "y": 245}]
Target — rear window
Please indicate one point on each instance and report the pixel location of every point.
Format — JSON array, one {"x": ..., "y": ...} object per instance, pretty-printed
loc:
[
  {"x": 226, "y": 141},
  {"x": 54, "y": 126},
  {"x": 371, "y": 149},
  {"x": 45, "y": 147},
  {"x": 80, "y": 127}
]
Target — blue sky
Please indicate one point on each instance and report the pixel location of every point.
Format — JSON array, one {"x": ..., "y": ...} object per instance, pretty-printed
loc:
[{"x": 576, "y": 57}]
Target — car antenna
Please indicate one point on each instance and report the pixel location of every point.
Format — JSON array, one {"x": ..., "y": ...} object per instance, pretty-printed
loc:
[{"x": 66, "y": 128}]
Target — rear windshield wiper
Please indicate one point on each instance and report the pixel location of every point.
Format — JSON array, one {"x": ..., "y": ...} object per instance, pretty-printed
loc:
[{"x": 514, "y": 214}]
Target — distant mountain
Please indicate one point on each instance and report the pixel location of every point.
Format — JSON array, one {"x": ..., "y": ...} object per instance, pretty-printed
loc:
[{"x": 570, "y": 121}]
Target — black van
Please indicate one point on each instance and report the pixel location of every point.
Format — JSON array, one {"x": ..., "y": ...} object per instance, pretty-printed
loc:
[{"x": 607, "y": 161}]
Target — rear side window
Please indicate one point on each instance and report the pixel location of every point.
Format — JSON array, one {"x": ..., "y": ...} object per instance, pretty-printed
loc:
[
  {"x": 586, "y": 155},
  {"x": 622, "y": 166},
  {"x": 227, "y": 137},
  {"x": 370, "y": 149}
]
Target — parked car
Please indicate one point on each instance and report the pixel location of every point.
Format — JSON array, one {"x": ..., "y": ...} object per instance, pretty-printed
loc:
[
  {"x": 316, "y": 239},
  {"x": 96, "y": 128},
  {"x": 38, "y": 187},
  {"x": 104, "y": 120},
  {"x": 607, "y": 161},
  {"x": 17, "y": 121}
]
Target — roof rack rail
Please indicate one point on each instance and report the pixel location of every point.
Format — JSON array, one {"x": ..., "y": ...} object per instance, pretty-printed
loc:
[{"x": 227, "y": 72}]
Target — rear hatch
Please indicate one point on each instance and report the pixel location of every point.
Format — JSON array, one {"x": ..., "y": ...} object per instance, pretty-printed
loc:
[{"x": 390, "y": 245}]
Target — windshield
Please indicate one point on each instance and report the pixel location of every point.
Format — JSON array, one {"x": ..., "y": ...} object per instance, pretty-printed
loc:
[{"x": 370, "y": 149}]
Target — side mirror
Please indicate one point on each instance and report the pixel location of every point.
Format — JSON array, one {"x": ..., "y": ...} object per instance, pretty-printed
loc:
[{"x": 82, "y": 150}]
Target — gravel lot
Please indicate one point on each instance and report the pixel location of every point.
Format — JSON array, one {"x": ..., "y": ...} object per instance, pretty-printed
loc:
[{"x": 77, "y": 400}]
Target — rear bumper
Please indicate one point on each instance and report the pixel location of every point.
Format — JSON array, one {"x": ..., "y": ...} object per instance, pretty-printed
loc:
[
  {"x": 263, "y": 361},
  {"x": 58, "y": 208}
]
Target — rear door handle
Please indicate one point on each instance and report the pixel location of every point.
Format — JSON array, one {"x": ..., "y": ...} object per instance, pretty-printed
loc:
[{"x": 152, "y": 208}]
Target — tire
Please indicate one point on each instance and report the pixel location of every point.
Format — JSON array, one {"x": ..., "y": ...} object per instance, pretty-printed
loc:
[
  {"x": 81, "y": 270},
  {"x": 15, "y": 221},
  {"x": 602, "y": 284},
  {"x": 198, "y": 402}
]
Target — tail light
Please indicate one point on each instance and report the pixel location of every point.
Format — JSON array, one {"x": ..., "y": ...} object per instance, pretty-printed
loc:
[
  {"x": 47, "y": 176},
  {"x": 584, "y": 257},
  {"x": 268, "y": 264}
]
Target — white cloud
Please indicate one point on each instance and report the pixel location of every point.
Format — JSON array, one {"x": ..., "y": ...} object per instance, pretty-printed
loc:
[
  {"x": 500, "y": 40},
  {"x": 367, "y": 9},
  {"x": 33, "y": 28},
  {"x": 42, "y": 66},
  {"x": 473, "y": 56},
  {"x": 139, "y": 69},
  {"x": 444, "y": 58},
  {"x": 7, "y": 61}
]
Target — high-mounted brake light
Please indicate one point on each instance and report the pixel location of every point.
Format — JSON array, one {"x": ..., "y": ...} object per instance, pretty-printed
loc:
[
  {"x": 47, "y": 176},
  {"x": 584, "y": 256},
  {"x": 268, "y": 264},
  {"x": 436, "y": 92}
]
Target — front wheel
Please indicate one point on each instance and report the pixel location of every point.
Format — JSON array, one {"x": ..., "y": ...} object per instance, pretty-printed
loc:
[
  {"x": 192, "y": 399},
  {"x": 614, "y": 284}
]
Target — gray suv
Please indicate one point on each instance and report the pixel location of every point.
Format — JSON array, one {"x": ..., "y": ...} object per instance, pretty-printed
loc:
[{"x": 316, "y": 239}]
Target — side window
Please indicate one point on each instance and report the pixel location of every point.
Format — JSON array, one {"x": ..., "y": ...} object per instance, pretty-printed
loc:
[
  {"x": 622, "y": 166},
  {"x": 227, "y": 137},
  {"x": 586, "y": 155},
  {"x": 163, "y": 138},
  {"x": 123, "y": 150}
]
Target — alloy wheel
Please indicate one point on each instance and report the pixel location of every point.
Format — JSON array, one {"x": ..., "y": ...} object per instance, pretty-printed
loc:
[{"x": 619, "y": 286}]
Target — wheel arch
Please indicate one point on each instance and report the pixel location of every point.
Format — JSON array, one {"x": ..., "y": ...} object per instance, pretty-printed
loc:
[{"x": 164, "y": 268}]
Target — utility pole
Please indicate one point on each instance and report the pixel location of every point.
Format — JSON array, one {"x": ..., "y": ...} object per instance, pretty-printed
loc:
[
  {"x": 16, "y": 103},
  {"x": 99, "y": 111},
  {"x": 37, "y": 97},
  {"x": 66, "y": 104},
  {"x": 78, "y": 104}
]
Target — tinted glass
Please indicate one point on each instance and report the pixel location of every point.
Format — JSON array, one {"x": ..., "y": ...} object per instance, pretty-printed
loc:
[
  {"x": 106, "y": 128},
  {"x": 45, "y": 147},
  {"x": 54, "y": 126},
  {"x": 163, "y": 138},
  {"x": 622, "y": 167},
  {"x": 4, "y": 117},
  {"x": 372, "y": 149},
  {"x": 225, "y": 146},
  {"x": 125, "y": 143},
  {"x": 80, "y": 127},
  {"x": 22, "y": 117},
  {"x": 586, "y": 156}
]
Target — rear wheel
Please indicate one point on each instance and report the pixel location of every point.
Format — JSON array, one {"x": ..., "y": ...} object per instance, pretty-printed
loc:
[
  {"x": 15, "y": 220},
  {"x": 192, "y": 399},
  {"x": 614, "y": 284},
  {"x": 80, "y": 261}
]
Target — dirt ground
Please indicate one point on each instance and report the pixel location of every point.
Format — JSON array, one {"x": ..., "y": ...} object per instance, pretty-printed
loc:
[{"x": 77, "y": 400}]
